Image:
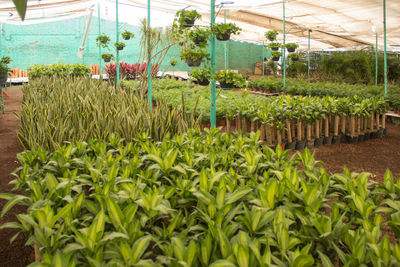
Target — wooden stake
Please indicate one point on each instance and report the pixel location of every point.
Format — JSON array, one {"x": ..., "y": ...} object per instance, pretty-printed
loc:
[
  {"x": 352, "y": 126},
  {"x": 384, "y": 121},
  {"x": 317, "y": 129},
  {"x": 299, "y": 135},
  {"x": 343, "y": 124},
  {"x": 372, "y": 125},
  {"x": 289, "y": 131},
  {"x": 279, "y": 137},
  {"x": 358, "y": 125},
  {"x": 326, "y": 128},
  {"x": 308, "y": 132},
  {"x": 336, "y": 129},
  {"x": 377, "y": 122},
  {"x": 252, "y": 126}
]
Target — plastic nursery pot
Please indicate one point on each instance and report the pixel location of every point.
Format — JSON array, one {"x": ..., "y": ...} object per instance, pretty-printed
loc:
[
  {"x": 291, "y": 145},
  {"x": 188, "y": 23},
  {"x": 380, "y": 133},
  {"x": 206, "y": 125},
  {"x": 300, "y": 145},
  {"x": 193, "y": 63},
  {"x": 318, "y": 142},
  {"x": 385, "y": 132},
  {"x": 224, "y": 37},
  {"x": 276, "y": 58},
  {"x": 291, "y": 50},
  {"x": 361, "y": 138},
  {"x": 275, "y": 48},
  {"x": 328, "y": 140},
  {"x": 227, "y": 86},
  {"x": 294, "y": 59},
  {"x": 107, "y": 59},
  {"x": 120, "y": 48},
  {"x": 3, "y": 79},
  {"x": 221, "y": 123},
  {"x": 352, "y": 139},
  {"x": 127, "y": 38},
  {"x": 366, "y": 136},
  {"x": 204, "y": 83},
  {"x": 310, "y": 143}
]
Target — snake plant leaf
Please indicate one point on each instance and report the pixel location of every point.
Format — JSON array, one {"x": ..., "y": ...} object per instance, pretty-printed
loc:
[{"x": 21, "y": 5}]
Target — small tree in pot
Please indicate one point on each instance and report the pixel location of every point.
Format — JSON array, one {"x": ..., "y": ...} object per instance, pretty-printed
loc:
[
  {"x": 119, "y": 45},
  {"x": 102, "y": 41},
  {"x": 202, "y": 76},
  {"x": 200, "y": 37},
  {"x": 229, "y": 79},
  {"x": 107, "y": 57},
  {"x": 194, "y": 57},
  {"x": 271, "y": 35},
  {"x": 223, "y": 31},
  {"x": 186, "y": 18}
]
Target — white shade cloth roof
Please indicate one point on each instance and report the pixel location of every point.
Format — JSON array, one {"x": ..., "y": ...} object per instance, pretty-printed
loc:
[{"x": 334, "y": 24}]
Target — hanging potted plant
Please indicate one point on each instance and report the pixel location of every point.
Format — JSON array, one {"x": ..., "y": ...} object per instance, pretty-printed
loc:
[
  {"x": 271, "y": 35},
  {"x": 274, "y": 46},
  {"x": 229, "y": 79},
  {"x": 193, "y": 57},
  {"x": 294, "y": 57},
  {"x": 186, "y": 18},
  {"x": 119, "y": 45},
  {"x": 102, "y": 41},
  {"x": 107, "y": 57},
  {"x": 223, "y": 31},
  {"x": 202, "y": 76},
  {"x": 276, "y": 55},
  {"x": 291, "y": 47},
  {"x": 200, "y": 37},
  {"x": 173, "y": 62},
  {"x": 126, "y": 35},
  {"x": 4, "y": 70}
]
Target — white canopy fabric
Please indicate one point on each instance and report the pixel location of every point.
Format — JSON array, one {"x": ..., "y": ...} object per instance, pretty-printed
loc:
[{"x": 333, "y": 23}]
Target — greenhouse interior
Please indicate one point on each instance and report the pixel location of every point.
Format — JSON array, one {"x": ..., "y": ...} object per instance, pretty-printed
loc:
[{"x": 200, "y": 133}]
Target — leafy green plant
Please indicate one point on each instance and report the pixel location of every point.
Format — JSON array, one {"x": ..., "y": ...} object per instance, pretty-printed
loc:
[
  {"x": 223, "y": 31},
  {"x": 294, "y": 56},
  {"x": 102, "y": 41},
  {"x": 271, "y": 35},
  {"x": 274, "y": 46},
  {"x": 186, "y": 18},
  {"x": 107, "y": 57},
  {"x": 58, "y": 70},
  {"x": 200, "y": 36},
  {"x": 5, "y": 60},
  {"x": 119, "y": 45},
  {"x": 228, "y": 79},
  {"x": 126, "y": 35},
  {"x": 276, "y": 55},
  {"x": 202, "y": 75},
  {"x": 194, "y": 56},
  {"x": 291, "y": 47},
  {"x": 173, "y": 62}
]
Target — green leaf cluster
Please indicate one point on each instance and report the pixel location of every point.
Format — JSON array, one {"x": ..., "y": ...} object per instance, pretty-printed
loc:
[
  {"x": 202, "y": 74},
  {"x": 222, "y": 29},
  {"x": 230, "y": 77},
  {"x": 271, "y": 35},
  {"x": 58, "y": 70}
]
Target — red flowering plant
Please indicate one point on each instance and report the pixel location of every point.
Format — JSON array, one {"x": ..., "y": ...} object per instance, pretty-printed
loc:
[{"x": 129, "y": 71}]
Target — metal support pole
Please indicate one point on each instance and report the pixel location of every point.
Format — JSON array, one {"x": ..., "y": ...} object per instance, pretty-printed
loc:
[
  {"x": 284, "y": 49},
  {"x": 149, "y": 56},
  {"x": 99, "y": 22},
  {"x": 263, "y": 56},
  {"x": 384, "y": 40},
  {"x": 376, "y": 59},
  {"x": 213, "y": 84},
  {"x": 226, "y": 44},
  {"x": 308, "y": 55},
  {"x": 117, "y": 40}
]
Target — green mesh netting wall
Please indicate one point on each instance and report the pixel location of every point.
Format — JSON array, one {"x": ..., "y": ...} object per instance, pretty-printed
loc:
[{"x": 49, "y": 43}]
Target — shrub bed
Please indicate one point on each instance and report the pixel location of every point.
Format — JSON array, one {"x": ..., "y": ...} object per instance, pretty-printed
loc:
[{"x": 59, "y": 70}]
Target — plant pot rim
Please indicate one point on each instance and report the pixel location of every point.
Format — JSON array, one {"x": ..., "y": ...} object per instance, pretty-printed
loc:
[
  {"x": 107, "y": 59},
  {"x": 120, "y": 48},
  {"x": 291, "y": 49},
  {"x": 193, "y": 63},
  {"x": 127, "y": 38}
]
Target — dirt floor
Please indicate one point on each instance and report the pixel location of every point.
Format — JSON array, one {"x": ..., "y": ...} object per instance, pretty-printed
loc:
[{"x": 373, "y": 156}]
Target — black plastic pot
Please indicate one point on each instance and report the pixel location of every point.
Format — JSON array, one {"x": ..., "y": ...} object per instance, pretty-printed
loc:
[
  {"x": 361, "y": 138},
  {"x": 188, "y": 23},
  {"x": 193, "y": 63},
  {"x": 352, "y": 140},
  {"x": 120, "y": 48},
  {"x": 107, "y": 59},
  {"x": 300, "y": 144},
  {"x": 319, "y": 142},
  {"x": 276, "y": 58},
  {"x": 310, "y": 143},
  {"x": 199, "y": 41},
  {"x": 291, "y": 145},
  {"x": 294, "y": 59},
  {"x": 226, "y": 85},
  {"x": 275, "y": 48},
  {"x": 366, "y": 136},
  {"x": 204, "y": 83},
  {"x": 328, "y": 140},
  {"x": 127, "y": 38},
  {"x": 379, "y": 133},
  {"x": 385, "y": 132},
  {"x": 271, "y": 39},
  {"x": 373, "y": 135},
  {"x": 291, "y": 50},
  {"x": 225, "y": 37},
  {"x": 336, "y": 139},
  {"x": 3, "y": 79}
]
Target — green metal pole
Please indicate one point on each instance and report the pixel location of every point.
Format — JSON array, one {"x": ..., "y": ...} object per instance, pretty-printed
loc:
[
  {"x": 376, "y": 59},
  {"x": 284, "y": 49},
  {"x": 263, "y": 56},
  {"x": 99, "y": 22},
  {"x": 2, "y": 99},
  {"x": 149, "y": 56},
  {"x": 308, "y": 55},
  {"x": 213, "y": 85},
  {"x": 117, "y": 40},
  {"x": 384, "y": 40},
  {"x": 225, "y": 44}
]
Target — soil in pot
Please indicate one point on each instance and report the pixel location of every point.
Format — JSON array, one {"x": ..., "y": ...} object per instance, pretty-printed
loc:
[
  {"x": 310, "y": 143},
  {"x": 204, "y": 83},
  {"x": 291, "y": 145},
  {"x": 328, "y": 140},
  {"x": 300, "y": 144},
  {"x": 224, "y": 37},
  {"x": 319, "y": 142},
  {"x": 193, "y": 63},
  {"x": 276, "y": 58},
  {"x": 352, "y": 140},
  {"x": 337, "y": 139}
]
